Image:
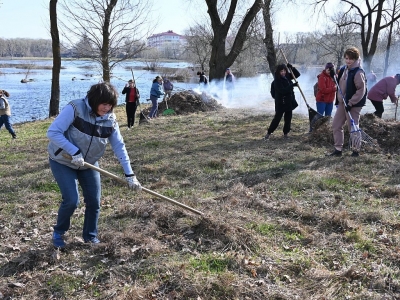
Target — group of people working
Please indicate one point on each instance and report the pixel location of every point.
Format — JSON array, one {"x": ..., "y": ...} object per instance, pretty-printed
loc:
[
  {"x": 347, "y": 88},
  {"x": 80, "y": 133}
]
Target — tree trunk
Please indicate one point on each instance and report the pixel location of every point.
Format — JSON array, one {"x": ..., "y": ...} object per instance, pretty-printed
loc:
[
  {"x": 219, "y": 61},
  {"x": 54, "y": 106},
  {"x": 105, "y": 61},
  {"x": 389, "y": 43},
  {"x": 269, "y": 36}
]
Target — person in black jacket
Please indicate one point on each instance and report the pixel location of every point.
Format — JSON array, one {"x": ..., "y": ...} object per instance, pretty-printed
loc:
[
  {"x": 132, "y": 101},
  {"x": 284, "y": 98}
]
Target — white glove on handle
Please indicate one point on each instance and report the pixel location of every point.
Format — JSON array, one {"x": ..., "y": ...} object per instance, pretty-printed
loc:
[
  {"x": 78, "y": 160},
  {"x": 133, "y": 183}
]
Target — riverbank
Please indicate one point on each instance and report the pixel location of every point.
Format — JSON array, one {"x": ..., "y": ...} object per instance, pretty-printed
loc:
[{"x": 281, "y": 220}]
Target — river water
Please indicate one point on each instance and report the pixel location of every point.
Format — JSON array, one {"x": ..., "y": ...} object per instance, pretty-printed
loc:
[{"x": 30, "y": 101}]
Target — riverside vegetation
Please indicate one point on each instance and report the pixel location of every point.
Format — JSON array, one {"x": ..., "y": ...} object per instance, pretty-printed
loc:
[{"x": 282, "y": 220}]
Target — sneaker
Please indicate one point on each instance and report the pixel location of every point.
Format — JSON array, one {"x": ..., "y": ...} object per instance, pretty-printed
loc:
[
  {"x": 58, "y": 240},
  {"x": 285, "y": 136},
  {"x": 14, "y": 136},
  {"x": 355, "y": 154},
  {"x": 94, "y": 240},
  {"x": 266, "y": 137},
  {"x": 336, "y": 153}
]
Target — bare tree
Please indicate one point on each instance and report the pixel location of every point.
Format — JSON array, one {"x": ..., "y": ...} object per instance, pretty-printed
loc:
[
  {"x": 198, "y": 45},
  {"x": 113, "y": 29},
  {"x": 334, "y": 40},
  {"x": 54, "y": 106},
  {"x": 219, "y": 60},
  {"x": 371, "y": 17}
]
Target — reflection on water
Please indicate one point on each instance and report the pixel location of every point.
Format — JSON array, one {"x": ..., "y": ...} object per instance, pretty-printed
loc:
[{"x": 30, "y": 101}]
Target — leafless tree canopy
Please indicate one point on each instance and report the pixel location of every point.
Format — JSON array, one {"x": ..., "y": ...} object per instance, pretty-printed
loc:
[
  {"x": 198, "y": 47},
  {"x": 107, "y": 31},
  {"x": 371, "y": 17}
]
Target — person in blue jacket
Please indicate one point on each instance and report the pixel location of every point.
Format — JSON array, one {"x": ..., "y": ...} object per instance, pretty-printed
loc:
[
  {"x": 155, "y": 93},
  {"x": 82, "y": 131}
]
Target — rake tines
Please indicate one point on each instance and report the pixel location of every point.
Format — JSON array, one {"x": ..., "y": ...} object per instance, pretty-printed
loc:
[{"x": 361, "y": 140}]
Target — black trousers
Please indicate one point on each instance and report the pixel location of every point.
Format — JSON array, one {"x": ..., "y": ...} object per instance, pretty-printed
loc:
[
  {"x": 287, "y": 117},
  {"x": 378, "y": 108},
  {"x": 130, "y": 113}
]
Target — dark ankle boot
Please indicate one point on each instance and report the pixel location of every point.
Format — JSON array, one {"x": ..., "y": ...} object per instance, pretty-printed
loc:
[{"x": 336, "y": 153}]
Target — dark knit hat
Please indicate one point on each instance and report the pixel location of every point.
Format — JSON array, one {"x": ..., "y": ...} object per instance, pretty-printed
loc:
[{"x": 329, "y": 65}]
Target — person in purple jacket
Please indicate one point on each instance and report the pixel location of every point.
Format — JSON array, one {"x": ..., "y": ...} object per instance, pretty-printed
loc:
[{"x": 381, "y": 90}]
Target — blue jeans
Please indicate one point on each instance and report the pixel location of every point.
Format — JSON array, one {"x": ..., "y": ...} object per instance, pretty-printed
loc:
[
  {"x": 154, "y": 108},
  {"x": 324, "y": 108},
  {"x": 67, "y": 180},
  {"x": 5, "y": 119}
]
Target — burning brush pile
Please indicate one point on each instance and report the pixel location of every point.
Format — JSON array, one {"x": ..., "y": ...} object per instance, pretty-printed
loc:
[
  {"x": 188, "y": 101},
  {"x": 385, "y": 133}
]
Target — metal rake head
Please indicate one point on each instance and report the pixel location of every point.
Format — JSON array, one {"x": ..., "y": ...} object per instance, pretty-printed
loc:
[{"x": 360, "y": 140}]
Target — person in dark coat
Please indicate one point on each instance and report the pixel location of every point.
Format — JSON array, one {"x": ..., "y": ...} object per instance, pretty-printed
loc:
[
  {"x": 131, "y": 100},
  {"x": 284, "y": 98}
]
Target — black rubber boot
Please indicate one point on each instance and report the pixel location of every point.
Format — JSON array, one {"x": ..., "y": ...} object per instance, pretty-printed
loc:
[{"x": 336, "y": 153}]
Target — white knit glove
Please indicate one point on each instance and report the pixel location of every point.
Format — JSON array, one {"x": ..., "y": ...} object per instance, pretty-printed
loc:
[
  {"x": 78, "y": 160},
  {"x": 133, "y": 183}
]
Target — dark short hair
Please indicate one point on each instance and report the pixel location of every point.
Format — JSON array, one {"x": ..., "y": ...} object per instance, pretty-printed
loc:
[
  {"x": 102, "y": 93},
  {"x": 329, "y": 65},
  {"x": 279, "y": 68},
  {"x": 352, "y": 53}
]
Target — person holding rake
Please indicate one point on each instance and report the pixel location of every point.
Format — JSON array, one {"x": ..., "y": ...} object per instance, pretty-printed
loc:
[
  {"x": 82, "y": 131},
  {"x": 282, "y": 87},
  {"x": 352, "y": 89}
]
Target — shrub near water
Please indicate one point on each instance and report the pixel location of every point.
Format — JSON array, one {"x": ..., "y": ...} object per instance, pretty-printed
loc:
[{"x": 282, "y": 220}]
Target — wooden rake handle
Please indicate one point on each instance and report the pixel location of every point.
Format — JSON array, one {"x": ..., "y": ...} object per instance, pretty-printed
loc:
[{"x": 123, "y": 181}]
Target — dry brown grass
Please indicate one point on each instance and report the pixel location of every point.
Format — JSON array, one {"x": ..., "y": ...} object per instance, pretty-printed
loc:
[{"x": 282, "y": 220}]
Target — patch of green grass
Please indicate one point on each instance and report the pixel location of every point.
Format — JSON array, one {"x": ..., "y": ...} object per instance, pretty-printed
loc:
[
  {"x": 212, "y": 263},
  {"x": 263, "y": 228},
  {"x": 46, "y": 187},
  {"x": 366, "y": 245},
  {"x": 293, "y": 236},
  {"x": 175, "y": 193},
  {"x": 152, "y": 144},
  {"x": 63, "y": 284},
  {"x": 354, "y": 236}
]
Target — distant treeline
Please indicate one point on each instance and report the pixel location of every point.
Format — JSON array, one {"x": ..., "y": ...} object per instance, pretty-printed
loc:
[{"x": 23, "y": 47}]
